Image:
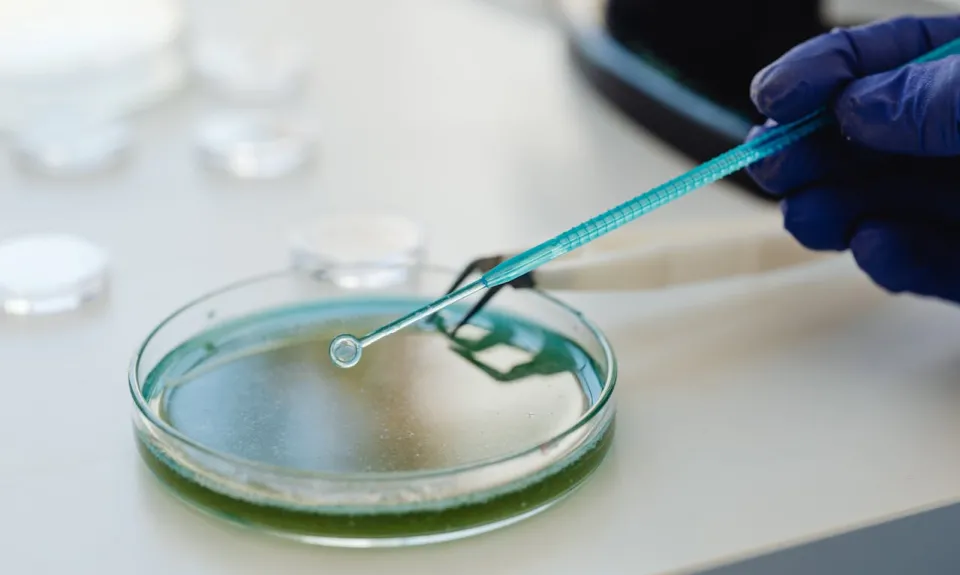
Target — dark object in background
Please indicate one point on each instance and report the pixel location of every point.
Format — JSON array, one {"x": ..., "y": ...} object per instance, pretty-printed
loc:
[
  {"x": 682, "y": 69},
  {"x": 920, "y": 544},
  {"x": 718, "y": 49}
]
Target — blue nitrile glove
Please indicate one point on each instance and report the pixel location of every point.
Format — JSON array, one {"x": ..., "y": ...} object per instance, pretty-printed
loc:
[{"x": 886, "y": 185}]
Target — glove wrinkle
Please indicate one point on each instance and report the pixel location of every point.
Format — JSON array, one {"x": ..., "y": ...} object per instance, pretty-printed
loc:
[{"x": 911, "y": 111}]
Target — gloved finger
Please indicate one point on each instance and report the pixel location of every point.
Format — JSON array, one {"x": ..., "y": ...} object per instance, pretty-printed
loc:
[
  {"x": 810, "y": 75},
  {"x": 825, "y": 217},
  {"x": 812, "y": 159},
  {"x": 914, "y": 110},
  {"x": 903, "y": 257}
]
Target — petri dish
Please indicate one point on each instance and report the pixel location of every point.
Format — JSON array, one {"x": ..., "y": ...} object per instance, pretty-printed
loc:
[
  {"x": 50, "y": 273},
  {"x": 358, "y": 250},
  {"x": 124, "y": 55},
  {"x": 251, "y": 71},
  {"x": 72, "y": 145},
  {"x": 241, "y": 414},
  {"x": 253, "y": 144}
]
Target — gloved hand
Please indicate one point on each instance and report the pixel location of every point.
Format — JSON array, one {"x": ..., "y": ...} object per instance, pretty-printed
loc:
[{"x": 886, "y": 184}]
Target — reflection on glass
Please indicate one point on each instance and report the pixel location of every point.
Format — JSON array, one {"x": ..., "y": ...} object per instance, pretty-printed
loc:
[{"x": 506, "y": 354}]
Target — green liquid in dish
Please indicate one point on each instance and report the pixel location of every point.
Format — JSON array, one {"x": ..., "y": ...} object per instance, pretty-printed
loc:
[{"x": 264, "y": 389}]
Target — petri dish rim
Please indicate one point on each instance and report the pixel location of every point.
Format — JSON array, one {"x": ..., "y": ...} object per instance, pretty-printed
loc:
[{"x": 134, "y": 384}]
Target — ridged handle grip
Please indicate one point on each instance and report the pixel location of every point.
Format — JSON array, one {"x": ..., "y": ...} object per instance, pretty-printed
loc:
[
  {"x": 723, "y": 165},
  {"x": 765, "y": 145}
]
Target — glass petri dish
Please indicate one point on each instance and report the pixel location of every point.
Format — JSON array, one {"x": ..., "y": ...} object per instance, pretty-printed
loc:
[
  {"x": 72, "y": 145},
  {"x": 253, "y": 144},
  {"x": 251, "y": 71},
  {"x": 46, "y": 274},
  {"x": 239, "y": 411},
  {"x": 358, "y": 250}
]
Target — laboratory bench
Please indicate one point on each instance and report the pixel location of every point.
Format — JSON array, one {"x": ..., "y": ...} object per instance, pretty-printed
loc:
[{"x": 753, "y": 416}]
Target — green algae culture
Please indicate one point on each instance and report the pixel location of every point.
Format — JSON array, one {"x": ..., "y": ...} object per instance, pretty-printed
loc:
[{"x": 261, "y": 389}]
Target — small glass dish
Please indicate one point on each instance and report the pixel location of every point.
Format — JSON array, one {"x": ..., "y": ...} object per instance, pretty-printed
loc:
[
  {"x": 42, "y": 274},
  {"x": 72, "y": 145},
  {"x": 251, "y": 71},
  {"x": 253, "y": 144},
  {"x": 358, "y": 250},
  {"x": 432, "y": 437}
]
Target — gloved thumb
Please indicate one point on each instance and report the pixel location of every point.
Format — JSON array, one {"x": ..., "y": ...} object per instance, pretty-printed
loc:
[{"x": 913, "y": 110}]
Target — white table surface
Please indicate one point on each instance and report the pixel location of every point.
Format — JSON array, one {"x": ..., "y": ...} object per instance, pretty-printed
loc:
[{"x": 751, "y": 415}]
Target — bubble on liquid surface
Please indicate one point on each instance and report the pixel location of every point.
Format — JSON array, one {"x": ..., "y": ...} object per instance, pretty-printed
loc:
[{"x": 345, "y": 350}]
